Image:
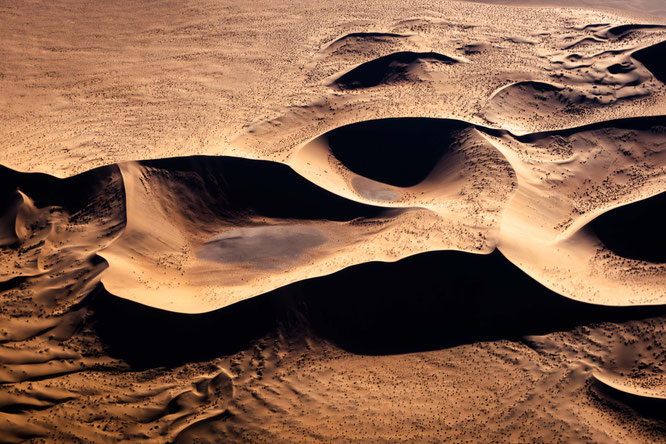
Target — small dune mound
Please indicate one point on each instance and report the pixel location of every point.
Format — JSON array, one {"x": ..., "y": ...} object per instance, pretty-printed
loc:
[
  {"x": 654, "y": 59},
  {"x": 621, "y": 68},
  {"x": 605, "y": 77},
  {"x": 531, "y": 99},
  {"x": 396, "y": 67},
  {"x": 400, "y": 151},
  {"x": 583, "y": 42},
  {"x": 475, "y": 48},
  {"x": 359, "y": 40},
  {"x": 635, "y": 231},
  {"x": 591, "y": 26},
  {"x": 586, "y": 84}
]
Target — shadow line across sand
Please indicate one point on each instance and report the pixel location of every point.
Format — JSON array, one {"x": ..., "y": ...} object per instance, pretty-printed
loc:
[{"x": 424, "y": 302}]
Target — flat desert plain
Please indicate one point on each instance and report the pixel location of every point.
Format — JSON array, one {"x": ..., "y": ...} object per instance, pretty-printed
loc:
[{"x": 349, "y": 222}]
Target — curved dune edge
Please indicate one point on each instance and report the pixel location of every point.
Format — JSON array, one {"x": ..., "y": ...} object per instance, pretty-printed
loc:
[
  {"x": 624, "y": 385},
  {"x": 629, "y": 230}
]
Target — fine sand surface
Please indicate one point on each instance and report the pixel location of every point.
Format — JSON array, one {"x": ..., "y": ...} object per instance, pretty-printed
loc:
[{"x": 338, "y": 222}]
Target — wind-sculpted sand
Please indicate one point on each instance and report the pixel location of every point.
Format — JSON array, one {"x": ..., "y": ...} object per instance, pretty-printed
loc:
[{"x": 342, "y": 222}]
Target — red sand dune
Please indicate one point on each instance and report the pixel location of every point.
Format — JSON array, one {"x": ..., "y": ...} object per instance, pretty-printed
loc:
[{"x": 336, "y": 222}]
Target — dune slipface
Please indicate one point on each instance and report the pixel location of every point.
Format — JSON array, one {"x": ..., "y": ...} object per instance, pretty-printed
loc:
[{"x": 336, "y": 222}]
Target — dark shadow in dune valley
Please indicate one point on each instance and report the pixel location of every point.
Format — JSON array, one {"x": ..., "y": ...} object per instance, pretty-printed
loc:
[{"x": 429, "y": 301}]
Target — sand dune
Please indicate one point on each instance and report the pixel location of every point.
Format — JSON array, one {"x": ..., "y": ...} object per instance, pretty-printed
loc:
[
  {"x": 556, "y": 213},
  {"x": 229, "y": 229},
  {"x": 201, "y": 228},
  {"x": 459, "y": 172},
  {"x": 339, "y": 222},
  {"x": 396, "y": 67},
  {"x": 204, "y": 233}
]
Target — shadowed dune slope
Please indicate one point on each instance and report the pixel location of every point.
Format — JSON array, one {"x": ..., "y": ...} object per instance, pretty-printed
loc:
[
  {"x": 635, "y": 231},
  {"x": 387, "y": 69},
  {"x": 377, "y": 308},
  {"x": 373, "y": 308},
  {"x": 236, "y": 188},
  {"x": 72, "y": 193},
  {"x": 624, "y": 397},
  {"x": 400, "y": 152},
  {"x": 654, "y": 59},
  {"x": 369, "y": 36},
  {"x": 153, "y": 337}
]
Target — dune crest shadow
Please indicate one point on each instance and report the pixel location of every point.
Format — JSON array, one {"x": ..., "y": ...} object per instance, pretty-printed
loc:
[
  {"x": 398, "y": 151},
  {"x": 635, "y": 231},
  {"x": 424, "y": 302}
]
